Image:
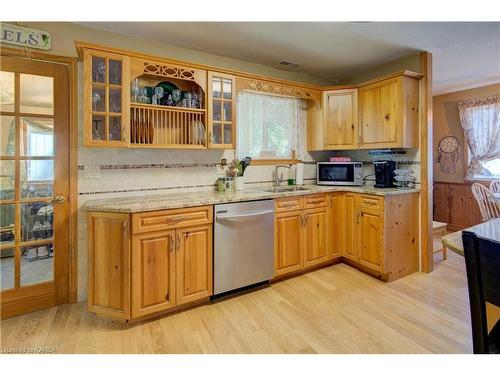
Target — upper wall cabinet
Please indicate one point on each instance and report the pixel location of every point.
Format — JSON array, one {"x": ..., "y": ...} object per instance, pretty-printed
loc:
[
  {"x": 221, "y": 110},
  {"x": 106, "y": 93},
  {"x": 381, "y": 114},
  {"x": 340, "y": 119},
  {"x": 388, "y": 113}
]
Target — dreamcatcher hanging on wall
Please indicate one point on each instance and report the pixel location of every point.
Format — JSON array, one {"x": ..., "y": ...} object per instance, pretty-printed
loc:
[{"x": 448, "y": 153}]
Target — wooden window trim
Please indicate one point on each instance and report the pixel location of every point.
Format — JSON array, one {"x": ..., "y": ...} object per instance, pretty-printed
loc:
[{"x": 274, "y": 161}]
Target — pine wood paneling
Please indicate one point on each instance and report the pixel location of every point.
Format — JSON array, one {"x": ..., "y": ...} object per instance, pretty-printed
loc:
[
  {"x": 454, "y": 204},
  {"x": 401, "y": 235}
]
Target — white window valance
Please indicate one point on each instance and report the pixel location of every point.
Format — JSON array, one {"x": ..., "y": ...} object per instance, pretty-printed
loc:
[{"x": 270, "y": 126}]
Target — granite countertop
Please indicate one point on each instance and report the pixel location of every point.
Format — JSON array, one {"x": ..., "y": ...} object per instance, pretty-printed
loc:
[
  {"x": 489, "y": 230},
  {"x": 201, "y": 198}
]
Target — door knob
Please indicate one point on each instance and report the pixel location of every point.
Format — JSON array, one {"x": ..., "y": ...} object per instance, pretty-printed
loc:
[{"x": 59, "y": 199}]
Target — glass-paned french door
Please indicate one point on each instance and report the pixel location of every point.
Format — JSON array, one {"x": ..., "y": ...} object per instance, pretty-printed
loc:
[{"x": 34, "y": 181}]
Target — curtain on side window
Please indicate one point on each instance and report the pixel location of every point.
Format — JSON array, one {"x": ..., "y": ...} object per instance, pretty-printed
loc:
[
  {"x": 480, "y": 120},
  {"x": 270, "y": 127}
]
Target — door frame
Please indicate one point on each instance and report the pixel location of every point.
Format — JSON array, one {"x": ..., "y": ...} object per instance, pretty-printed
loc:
[{"x": 71, "y": 64}]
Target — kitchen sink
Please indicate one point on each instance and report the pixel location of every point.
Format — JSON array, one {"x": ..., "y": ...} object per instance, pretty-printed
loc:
[{"x": 284, "y": 189}]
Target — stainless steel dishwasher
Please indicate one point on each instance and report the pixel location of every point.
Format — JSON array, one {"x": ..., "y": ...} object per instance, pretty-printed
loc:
[{"x": 243, "y": 244}]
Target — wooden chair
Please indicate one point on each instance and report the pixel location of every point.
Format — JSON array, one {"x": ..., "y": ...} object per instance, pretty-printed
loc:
[
  {"x": 488, "y": 205},
  {"x": 495, "y": 186},
  {"x": 482, "y": 262},
  {"x": 439, "y": 229}
]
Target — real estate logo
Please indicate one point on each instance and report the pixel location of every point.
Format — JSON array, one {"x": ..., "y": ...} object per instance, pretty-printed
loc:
[{"x": 25, "y": 37}]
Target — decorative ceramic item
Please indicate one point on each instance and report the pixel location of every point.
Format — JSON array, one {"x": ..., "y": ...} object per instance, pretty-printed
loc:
[
  {"x": 448, "y": 154},
  {"x": 403, "y": 178},
  {"x": 224, "y": 184}
]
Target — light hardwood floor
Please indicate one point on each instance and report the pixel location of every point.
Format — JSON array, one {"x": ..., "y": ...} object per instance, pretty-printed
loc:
[{"x": 332, "y": 310}]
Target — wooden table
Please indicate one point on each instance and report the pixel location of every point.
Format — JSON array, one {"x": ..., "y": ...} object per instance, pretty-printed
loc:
[{"x": 489, "y": 230}]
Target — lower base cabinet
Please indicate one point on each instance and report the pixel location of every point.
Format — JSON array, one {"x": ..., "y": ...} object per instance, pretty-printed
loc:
[
  {"x": 315, "y": 237},
  {"x": 133, "y": 275},
  {"x": 194, "y": 264},
  {"x": 108, "y": 242},
  {"x": 153, "y": 272},
  {"x": 301, "y": 239},
  {"x": 288, "y": 243},
  {"x": 381, "y": 233},
  {"x": 378, "y": 234}
]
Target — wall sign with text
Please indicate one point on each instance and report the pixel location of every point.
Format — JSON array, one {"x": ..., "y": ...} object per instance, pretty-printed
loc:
[{"x": 25, "y": 37}]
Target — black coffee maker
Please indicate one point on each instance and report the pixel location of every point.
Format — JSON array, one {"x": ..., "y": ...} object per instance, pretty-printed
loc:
[{"x": 384, "y": 173}]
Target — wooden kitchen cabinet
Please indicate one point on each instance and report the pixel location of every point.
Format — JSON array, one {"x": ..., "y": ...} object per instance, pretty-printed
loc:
[
  {"x": 301, "y": 239},
  {"x": 336, "y": 224},
  {"x": 194, "y": 264},
  {"x": 153, "y": 272},
  {"x": 377, "y": 234},
  {"x": 288, "y": 242},
  {"x": 388, "y": 111},
  {"x": 340, "y": 119},
  {"x": 157, "y": 264},
  {"x": 108, "y": 244},
  {"x": 106, "y": 82},
  {"x": 370, "y": 238},
  {"x": 315, "y": 237},
  {"x": 221, "y": 110}
]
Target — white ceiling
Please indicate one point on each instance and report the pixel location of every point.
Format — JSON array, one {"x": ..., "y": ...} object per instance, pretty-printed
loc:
[{"x": 465, "y": 54}]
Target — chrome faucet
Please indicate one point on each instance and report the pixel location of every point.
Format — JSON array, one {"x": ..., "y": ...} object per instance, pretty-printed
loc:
[{"x": 278, "y": 179}]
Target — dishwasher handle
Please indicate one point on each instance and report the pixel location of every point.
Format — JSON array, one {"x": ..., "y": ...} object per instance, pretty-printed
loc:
[{"x": 249, "y": 214}]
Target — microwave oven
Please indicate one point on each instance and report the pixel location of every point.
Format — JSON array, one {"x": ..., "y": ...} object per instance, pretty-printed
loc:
[{"x": 340, "y": 173}]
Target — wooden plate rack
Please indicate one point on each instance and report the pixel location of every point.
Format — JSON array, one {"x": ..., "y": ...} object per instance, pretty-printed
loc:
[{"x": 164, "y": 127}]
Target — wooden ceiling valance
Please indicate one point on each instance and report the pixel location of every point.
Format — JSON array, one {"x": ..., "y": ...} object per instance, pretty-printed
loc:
[
  {"x": 274, "y": 88},
  {"x": 167, "y": 70}
]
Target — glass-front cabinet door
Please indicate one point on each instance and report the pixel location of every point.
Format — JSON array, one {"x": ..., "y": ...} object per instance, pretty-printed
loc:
[
  {"x": 221, "y": 110},
  {"x": 106, "y": 82}
]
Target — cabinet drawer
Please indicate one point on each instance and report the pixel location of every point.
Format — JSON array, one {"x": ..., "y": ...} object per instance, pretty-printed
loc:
[
  {"x": 314, "y": 201},
  {"x": 371, "y": 201},
  {"x": 288, "y": 204},
  {"x": 168, "y": 219}
]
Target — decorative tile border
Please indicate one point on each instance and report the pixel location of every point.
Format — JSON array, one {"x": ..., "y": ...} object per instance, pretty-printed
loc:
[
  {"x": 146, "y": 189},
  {"x": 152, "y": 166},
  {"x": 162, "y": 166}
]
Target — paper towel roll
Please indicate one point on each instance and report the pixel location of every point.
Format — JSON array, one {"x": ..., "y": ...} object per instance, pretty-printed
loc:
[{"x": 299, "y": 174}]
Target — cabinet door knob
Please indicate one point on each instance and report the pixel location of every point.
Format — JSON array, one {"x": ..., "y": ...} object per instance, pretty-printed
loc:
[
  {"x": 166, "y": 297},
  {"x": 387, "y": 117}
]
